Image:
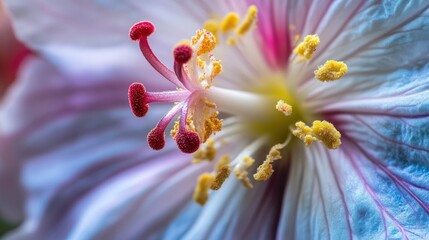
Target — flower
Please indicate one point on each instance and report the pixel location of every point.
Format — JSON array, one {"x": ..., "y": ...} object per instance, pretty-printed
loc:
[{"x": 75, "y": 164}]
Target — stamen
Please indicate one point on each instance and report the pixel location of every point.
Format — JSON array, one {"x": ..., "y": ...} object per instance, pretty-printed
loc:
[
  {"x": 223, "y": 169},
  {"x": 241, "y": 173},
  {"x": 303, "y": 132},
  {"x": 283, "y": 107},
  {"x": 201, "y": 192},
  {"x": 265, "y": 170},
  {"x": 323, "y": 131},
  {"x": 213, "y": 27},
  {"x": 204, "y": 41},
  {"x": 248, "y": 21},
  {"x": 307, "y": 47},
  {"x": 326, "y": 133},
  {"x": 229, "y": 22},
  {"x": 331, "y": 71},
  {"x": 208, "y": 153}
]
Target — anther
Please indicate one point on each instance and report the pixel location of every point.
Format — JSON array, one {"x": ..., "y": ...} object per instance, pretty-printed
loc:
[
  {"x": 201, "y": 192},
  {"x": 327, "y": 134},
  {"x": 241, "y": 173},
  {"x": 283, "y": 107},
  {"x": 182, "y": 53},
  {"x": 137, "y": 99},
  {"x": 265, "y": 170},
  {"x": 223, "y": 169},
  {"x": 331, "y": 71},
  {"x": 323, "y": 131},
  {"x": 204, "y": 40},
  {"x": 229, "y": 22},
  {"x": 141, "y": 29},
  {"x": 303, "y": 132},
  {"x": 307, "y": 47},
  {"x": 248, "y": 21}
]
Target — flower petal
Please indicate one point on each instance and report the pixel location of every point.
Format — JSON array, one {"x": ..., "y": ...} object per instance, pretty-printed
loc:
[
  {"x": 348, "y": 193},
  {"x": 376, "y": 58}
]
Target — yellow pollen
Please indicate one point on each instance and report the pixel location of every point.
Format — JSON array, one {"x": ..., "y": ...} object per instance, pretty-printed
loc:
[
  {"x": 307, "y": 47},
  {"x": 211, "y": 125},
  {"x": 326, "y": 133},
  {"x": 303, "y": 132},
  {"x": 209, "y": 153},
  {"x": 283, "y": 107},
  {"x": 201, "y": 192},
  {"x": 323, "y": 131},
  {"x": 241, "y": 171},
  {"x": 248, "y": 21},
  {"x": 265, "y": 170},
  {"x": 231, "y": 41},
  {"x": 229, "y": 22},
  {"x": 216, "y": 68},
  {"x": 201, "y": 63},
  {"x": 331, "y": 71},
  {"x": 213, "y": 27},
  {"x": 204, "y": 40},
  {"x": 223, "y": 169}
]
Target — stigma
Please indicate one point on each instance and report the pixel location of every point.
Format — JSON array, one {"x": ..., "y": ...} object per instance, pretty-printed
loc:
[{"x": 194, "y": 70}]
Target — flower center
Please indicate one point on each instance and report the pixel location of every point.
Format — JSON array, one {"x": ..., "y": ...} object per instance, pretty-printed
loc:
[{"x": 269, "y": 110}]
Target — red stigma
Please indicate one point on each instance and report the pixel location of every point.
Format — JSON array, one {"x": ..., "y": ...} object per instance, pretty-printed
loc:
[
  {"x": 188, "y": 142},
  {"x": 156, "y": 139},
  {"x": 137, "y": 99},
  {"x": 182, "y": 53},
  {"x": 141, "y": 29}
]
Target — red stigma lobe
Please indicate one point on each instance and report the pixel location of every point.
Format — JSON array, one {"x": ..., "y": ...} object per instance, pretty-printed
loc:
[
  {"x": 188, "y": 141},
  {"x": 156, "y": 139},
  {"x": 141, "y": 29},
  {"x": 182, "y": 54},
  {"x": 137, "y": 99}
]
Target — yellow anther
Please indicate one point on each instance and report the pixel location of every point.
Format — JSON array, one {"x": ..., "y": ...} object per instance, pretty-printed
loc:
[
  {"x": 223, "y": 169},
  {"x": 212, "y": 26},
  {"x": 248, "y": 21},
  {"x": 229, "y": 22},
  {"x": 175, "y": 129},
  {"x": 265, "y": 170},
  {"x": 283, "y": 107},
  {"x": 303, "y": 132},
  {"x": 331, "y": 71},
  {"x": 201, "y": 63},
  {"x": 211, "y": 125},
  {"x": 201, "y": 192},
  {"x": 208, "y": 153},
  {"x": 204, "y": 40},
  {"x": 232, "y": 41},
  {"x": 216, "y": 68},
  {"x": 307, "y": 47},
  {"x": 241, "y": 171},
  {"x": 323, "y": 131},
  {"x": 326, "y": 133}
]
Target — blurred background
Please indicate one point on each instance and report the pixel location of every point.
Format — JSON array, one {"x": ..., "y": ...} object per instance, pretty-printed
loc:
[{"x": 12, "y": 53}]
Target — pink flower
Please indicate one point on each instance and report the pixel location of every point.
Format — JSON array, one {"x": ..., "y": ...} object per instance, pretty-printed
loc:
[{"x": 75, "y": 163}]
